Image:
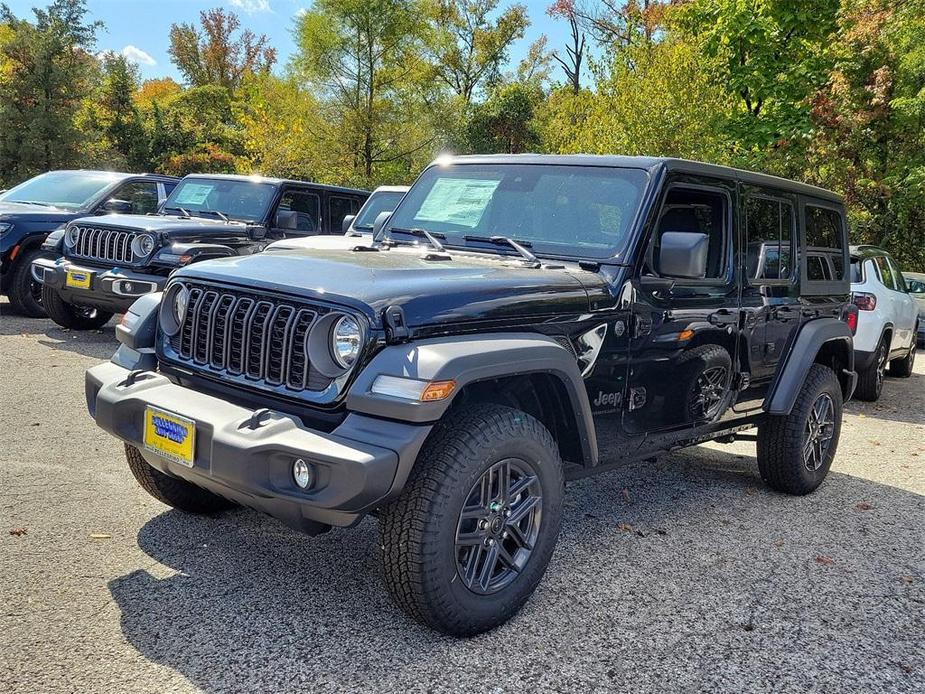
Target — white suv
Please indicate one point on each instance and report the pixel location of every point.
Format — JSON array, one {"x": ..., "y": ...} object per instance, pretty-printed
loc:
[{"x": 887, "y": 320}]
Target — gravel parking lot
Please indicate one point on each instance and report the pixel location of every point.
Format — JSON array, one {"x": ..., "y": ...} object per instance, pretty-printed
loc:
[{"x": 684, "y": 574}]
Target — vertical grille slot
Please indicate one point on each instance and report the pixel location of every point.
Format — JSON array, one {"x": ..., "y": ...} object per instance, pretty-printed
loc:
[
  {"x": 297, "y": 373},
  {"x": 219, "y": 328},
  {"x": 202, "y": 331},
  {"x": 236, "y": 335},
  {"x": 256, "y": 338}
]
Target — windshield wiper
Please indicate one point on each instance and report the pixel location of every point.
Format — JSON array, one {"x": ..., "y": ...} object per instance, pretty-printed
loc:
[
  {"x": 184, "y": 212},
  {"x": 31, "y": 202},
  {"x": 423, "y": 233},
  {"x": 223, "y": 216},
  {"x": 519, "y": 246}
]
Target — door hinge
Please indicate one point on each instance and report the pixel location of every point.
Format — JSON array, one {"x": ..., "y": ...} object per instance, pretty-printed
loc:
[
  {"x": 637, "y": 398},
  {"x": 641, "y": 326},
  {"x": 741, "y": 381}
]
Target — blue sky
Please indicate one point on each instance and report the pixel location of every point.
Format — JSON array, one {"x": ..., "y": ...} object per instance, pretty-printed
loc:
[{"x": 139, "y": 28}]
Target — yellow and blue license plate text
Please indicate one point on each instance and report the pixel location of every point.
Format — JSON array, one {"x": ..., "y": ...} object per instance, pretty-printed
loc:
[
  {"x": 170, "y": 435},
  {"x": 78, "y": 278}
]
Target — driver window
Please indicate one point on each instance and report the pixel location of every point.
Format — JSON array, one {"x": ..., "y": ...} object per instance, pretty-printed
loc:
[
  {"x": 699, "y": 212},
  {"x": 142, "y": 195},
  {"x": 298, "y": 212}
]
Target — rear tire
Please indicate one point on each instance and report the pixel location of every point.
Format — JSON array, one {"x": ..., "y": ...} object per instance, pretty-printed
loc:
[
  {"x": 25, "y": 293},
  {"x": 172, "y": 491},
  {"x": 784, "y": 440},
  {"x": 870, "y": 380},
  {"x": 435, "y": 554},
  {"x": 70, "y": 316},
  {"x": 903, "y": 367}
]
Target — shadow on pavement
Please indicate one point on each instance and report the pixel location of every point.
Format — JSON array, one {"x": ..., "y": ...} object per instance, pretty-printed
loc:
[
  {"x": 902, "y": 400},
  {"x": 673, "y": 574}
]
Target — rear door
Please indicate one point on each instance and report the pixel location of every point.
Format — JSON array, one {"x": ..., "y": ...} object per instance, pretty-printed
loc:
[{"x": 906, "y": 309}]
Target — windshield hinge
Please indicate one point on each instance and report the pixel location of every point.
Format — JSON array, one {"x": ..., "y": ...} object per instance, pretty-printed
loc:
[{"x": 396, "y": 329}]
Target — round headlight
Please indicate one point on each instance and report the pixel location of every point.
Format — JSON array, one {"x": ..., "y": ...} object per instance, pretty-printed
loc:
[
  {"x": 72, "y": 236},
  {"x": 180, "y": 304},
  {"x": 345, "y": 341},
  {"x": 143, "y": 245}
]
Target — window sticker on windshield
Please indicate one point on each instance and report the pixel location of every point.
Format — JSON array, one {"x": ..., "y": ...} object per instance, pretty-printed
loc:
[
  {"x": 193, "y": 193},
  {"x": 460, "y": 201}
]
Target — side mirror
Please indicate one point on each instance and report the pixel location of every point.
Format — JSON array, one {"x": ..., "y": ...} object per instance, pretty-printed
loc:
[
  {"x": 348, "y": 220},
  {"x": 120, "y": 206},
  {"x": 381, "y": 220},
  {"x": 683, "y": 254}
]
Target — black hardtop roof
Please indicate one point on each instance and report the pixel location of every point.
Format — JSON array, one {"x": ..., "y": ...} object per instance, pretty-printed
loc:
[
  {"x": 118, "y": 174},
  {"x": 651, "y": 164},
  {"x": 281, "y": 181}
]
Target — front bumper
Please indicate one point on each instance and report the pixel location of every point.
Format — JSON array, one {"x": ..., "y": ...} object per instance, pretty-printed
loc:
[
  {"x": 113, "y": 290},
  {"x": 358, "y": 466}
]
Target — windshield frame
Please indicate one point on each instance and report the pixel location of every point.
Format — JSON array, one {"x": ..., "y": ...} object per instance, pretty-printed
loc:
[
  {"x": 455, "y": 238},
  {"x": 113, "y": 180},
  {"x": 202, "y": 213}
]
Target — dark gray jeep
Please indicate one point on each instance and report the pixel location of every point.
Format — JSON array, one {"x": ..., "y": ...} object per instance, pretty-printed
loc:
[
  {"x": 100, "y": 266},
  {"x": 521, "y": 321}
]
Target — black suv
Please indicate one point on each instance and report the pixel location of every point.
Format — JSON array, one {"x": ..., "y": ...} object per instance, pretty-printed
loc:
[
  {"x": 523, "y": 321},
  {"x": 103, "y": 265},
  {"x": 35, "y": 208}
]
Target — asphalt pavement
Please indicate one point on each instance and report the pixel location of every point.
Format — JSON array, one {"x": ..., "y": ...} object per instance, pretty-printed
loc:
[{"x": 685, "y": 574}]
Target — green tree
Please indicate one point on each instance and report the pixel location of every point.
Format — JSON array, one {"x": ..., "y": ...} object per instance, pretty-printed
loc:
[
  {"x": 213, "y": 55},
  {"x": 469, "y": 47},
  {"x": 363, "y": 58},
  {"x": 47, "y": 64},
  {"x": 504, "y": 121},
  {"x": 122, "y": 120}
]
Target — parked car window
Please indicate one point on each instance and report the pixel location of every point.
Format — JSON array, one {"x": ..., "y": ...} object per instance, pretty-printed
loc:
[
  {"x": 238, "y": 199},
  {"x": 340, "y": 207},
  {"x": 915, "y": 286},
  {"x": 817, "y": 268},
  {"x": 579, "y": 211},
  {"x": 769, "y": 227},
  {"x": 824, "y": 230},
  {"x": 885, "y": 272},
  {"x": 70, "y": 190},
  {"x": 299, "y": 211},
  {"x": 378, "y": 203},
  {"x": 142, "y": 195},
  {"x": 857, "y": 270},
  {"x": 898, "y": 278},
  {"x": 702, "y": 212}
]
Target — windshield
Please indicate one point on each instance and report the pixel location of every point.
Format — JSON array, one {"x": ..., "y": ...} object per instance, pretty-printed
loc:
[
  {"x": 213, "y": 197},
  {"x": 565, "y": 210},
  {"x": 70, "y": 190},
  {"x": 376, "y": 205}
]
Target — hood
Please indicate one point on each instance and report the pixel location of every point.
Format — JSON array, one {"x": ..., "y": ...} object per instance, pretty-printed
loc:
[
  {"x": 471, "y": 286},
  {"x": 177, "y": 228},
  {"x": 14, "y": 211}
]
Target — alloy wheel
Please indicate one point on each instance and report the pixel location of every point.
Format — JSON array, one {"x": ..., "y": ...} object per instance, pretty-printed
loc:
[
  {"x": 709, "y": 392},
  {"x": 498, "y": 526},
  {"x": 820, "y": 429}
]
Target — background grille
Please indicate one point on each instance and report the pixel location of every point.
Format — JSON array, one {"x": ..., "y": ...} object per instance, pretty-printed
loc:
[
  {"x": 109, "y": 245},
  {"x": 259, "y": 338}
]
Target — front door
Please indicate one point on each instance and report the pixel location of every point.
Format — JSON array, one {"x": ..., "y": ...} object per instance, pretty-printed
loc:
[{"x": 683, "y": 336}]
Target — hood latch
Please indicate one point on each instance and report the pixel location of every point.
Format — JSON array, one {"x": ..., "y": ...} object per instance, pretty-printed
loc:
[{"x": 396, "y": 328}]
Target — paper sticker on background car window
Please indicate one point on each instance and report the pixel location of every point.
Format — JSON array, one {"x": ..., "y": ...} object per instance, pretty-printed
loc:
[
  {"x": 460, "y": 201},
  {"x": 193, "y": 194}
]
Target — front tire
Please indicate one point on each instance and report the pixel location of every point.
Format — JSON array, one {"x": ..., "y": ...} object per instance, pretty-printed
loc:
[
  {"x": 902, "y": 368},
  {"x": 25, "y": 293},
  {"x": 173, "y": 491},
  {"x": 462, "y": 548},
  {"x": 70, "y": 316},
  {"x": 870, "y": 380},
  {"x": 795, "y": 451}
]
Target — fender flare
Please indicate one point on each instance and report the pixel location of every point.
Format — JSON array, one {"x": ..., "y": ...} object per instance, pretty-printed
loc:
[
  {"x": 169, "y": 255},
  {"x": 790, "y": 377},
  {"x": 467, "y": 360}
]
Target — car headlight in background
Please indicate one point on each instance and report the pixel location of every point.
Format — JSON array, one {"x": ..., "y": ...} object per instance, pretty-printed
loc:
[
  {"x": 346, "y": 339},
  {"x": 143, "y": 245},
  {"x": 5, "y": 227},
  {"x": 71, "y": 236}
]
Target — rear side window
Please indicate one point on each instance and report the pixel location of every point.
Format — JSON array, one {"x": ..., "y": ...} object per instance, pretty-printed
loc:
[
  {"x": 825, "y": 233},
  {"x": 885, "y": 272},
  {"x": 769, "y": 225},
  {"x": 898, "y": 276},
  {"x": 857, "y": 270}
]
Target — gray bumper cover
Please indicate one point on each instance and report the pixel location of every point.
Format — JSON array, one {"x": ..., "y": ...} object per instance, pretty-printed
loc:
[
  {"x": 113, "y": 290},
  {"x": 358, "y": 466}
]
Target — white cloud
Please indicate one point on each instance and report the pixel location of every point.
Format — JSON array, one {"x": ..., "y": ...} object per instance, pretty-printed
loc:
[
  {"x": 135, "y": 55},
  {"x": 252, "y": 6}
]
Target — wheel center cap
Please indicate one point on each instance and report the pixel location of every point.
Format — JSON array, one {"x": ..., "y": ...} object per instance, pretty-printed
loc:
[{"x": 496, "y": 525}]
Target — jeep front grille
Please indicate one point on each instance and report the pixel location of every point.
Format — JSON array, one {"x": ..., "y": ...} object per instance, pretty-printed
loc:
[
  {"x": 259, "y": 339},
  {"x": 107, "y": 245}
]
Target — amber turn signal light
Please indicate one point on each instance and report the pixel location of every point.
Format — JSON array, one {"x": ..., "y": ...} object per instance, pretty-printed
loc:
[{"x": 437, "y": 390}]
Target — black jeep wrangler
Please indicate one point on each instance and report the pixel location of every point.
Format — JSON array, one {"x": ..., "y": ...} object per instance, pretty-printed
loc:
[
  {"x": 101, "y": 266},
  {"x": 523, "y": 321}
]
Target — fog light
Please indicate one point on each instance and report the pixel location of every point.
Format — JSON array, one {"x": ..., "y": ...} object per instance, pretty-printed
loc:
[{"x": 302, "y": 473}]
